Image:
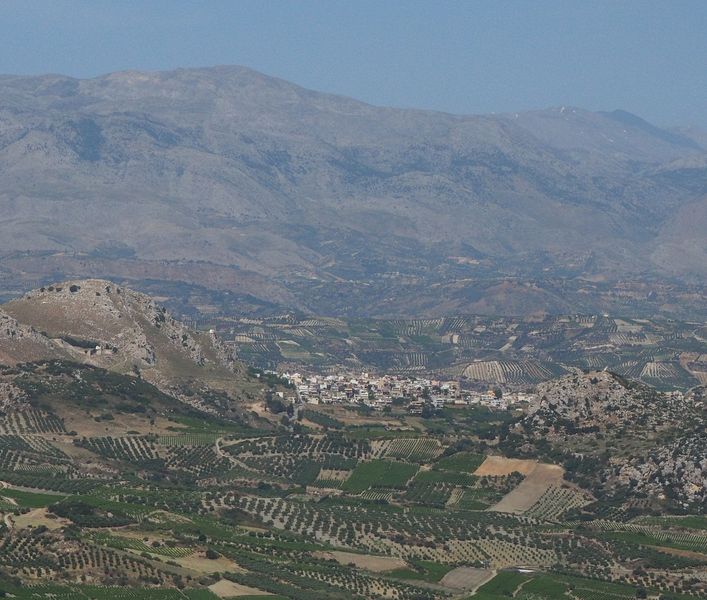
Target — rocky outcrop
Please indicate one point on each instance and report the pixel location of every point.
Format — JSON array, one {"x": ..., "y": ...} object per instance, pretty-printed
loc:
[
  {"x": 675, "y": 471},
  {"x": 620, "y": 437},
  {"x": 110, "y": 326},
  {"x": 587, "y": 396}
]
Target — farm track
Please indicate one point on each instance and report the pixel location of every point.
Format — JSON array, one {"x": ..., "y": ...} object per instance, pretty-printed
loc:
[{"x": 232, "y": 459}]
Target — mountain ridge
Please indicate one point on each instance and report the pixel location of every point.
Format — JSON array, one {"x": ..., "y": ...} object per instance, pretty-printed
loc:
[{"x": 298, "y": 195}]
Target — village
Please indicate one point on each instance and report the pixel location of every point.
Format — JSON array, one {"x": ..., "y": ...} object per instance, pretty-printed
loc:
[{"x": 382, "y": 392}]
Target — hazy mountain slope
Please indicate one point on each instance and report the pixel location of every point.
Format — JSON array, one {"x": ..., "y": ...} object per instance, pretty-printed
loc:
[{"x": 230, "y": 179}]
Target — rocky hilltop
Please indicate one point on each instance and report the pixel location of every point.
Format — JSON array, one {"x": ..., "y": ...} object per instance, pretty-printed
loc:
[
  {"x": 98, "y": 323},
  {"x": 619, "y": 437},
  {"x": 210, "y": 182},
  {"x": 598, "y": 399}
]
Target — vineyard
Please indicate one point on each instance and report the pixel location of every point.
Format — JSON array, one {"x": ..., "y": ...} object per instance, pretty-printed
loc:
[
  {"x": 129, "y": 449},
  {"x": 510, "y": 372},
  {"x": 175, "y": 514},
  {"x": 123, "y": 543},
  {"x": 188, "y": 439},
  {"x": 555, "y": 502},
  {"x": 30, "y": 421},
  {"x": 379, "y": 473},
  {"x": 420, "y": 450}
]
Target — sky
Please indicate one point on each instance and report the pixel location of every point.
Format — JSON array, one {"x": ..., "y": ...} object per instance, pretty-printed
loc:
[{"x": 462, "y": 56}]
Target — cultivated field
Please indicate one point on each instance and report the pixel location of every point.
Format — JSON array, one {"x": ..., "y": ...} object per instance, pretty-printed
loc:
[
  {"x": 536, "y": 484},
  {"x": 499, "y": 465}
]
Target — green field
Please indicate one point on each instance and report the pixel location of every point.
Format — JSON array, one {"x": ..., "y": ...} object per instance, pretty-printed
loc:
[
  {"x": 30, "y": 499},
  {"x": 359, "y": 432},
  {"x": 504, "y": 584},
  {"x": 550, "y": 586},
  {"x": 463, "y": 462},
  {"x": 546, "y": 587},
  {"x": 379, "y": 474}
]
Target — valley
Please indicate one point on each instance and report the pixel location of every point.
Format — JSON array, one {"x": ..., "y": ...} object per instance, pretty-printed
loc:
[
  {"x": 151, "y": 463},
  {"x": 510, "y": 352},
  {"x": 428, "y": 324}
]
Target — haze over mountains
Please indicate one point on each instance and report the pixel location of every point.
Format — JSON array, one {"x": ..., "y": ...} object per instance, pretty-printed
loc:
[{"x": 226, "y": 180}]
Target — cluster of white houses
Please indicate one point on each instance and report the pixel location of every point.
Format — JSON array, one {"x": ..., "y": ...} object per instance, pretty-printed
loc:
[{"x": 382, "y": 391}]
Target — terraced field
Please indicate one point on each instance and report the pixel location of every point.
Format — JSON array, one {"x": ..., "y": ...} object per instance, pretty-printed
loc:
[
  {"x": 511, "y": 372},
  {"x": 493, "y": 350}
]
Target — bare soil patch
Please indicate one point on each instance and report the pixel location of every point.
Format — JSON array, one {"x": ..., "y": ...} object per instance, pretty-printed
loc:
[
  {"x": 466, "y": 578},
  {"x": 138, "y": 534},
  {"x": 229, "y": 589},
  {"x": 199, "y": 562},
  {"x": 500, "y": 465},
  {"x": 377, "y": 564},
  {"x": 333, "y": 475},
  {"x": 530, "y": 489},
  {"x": 38, "y": 517},
  {"x": 85, "y": 425}
]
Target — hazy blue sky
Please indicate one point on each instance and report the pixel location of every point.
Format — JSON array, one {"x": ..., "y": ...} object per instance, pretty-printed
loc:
[{"x": 459, "y": 56}]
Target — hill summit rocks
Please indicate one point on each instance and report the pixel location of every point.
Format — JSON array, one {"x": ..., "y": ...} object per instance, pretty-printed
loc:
[
  {"x": 618, "y": 436},
  {"x": 99, "y": 323}
]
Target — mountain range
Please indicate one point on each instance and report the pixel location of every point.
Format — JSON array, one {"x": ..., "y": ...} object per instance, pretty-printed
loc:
[{"x": 222, "y": 186}]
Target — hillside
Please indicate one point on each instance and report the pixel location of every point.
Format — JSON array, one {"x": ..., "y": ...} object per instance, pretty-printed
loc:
[
  {"x": 210, "y": 186},
  {"x": 21, "y": 343},
  {"x": 621, "y": 438},
  {"x": 98, "y": 323}
]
